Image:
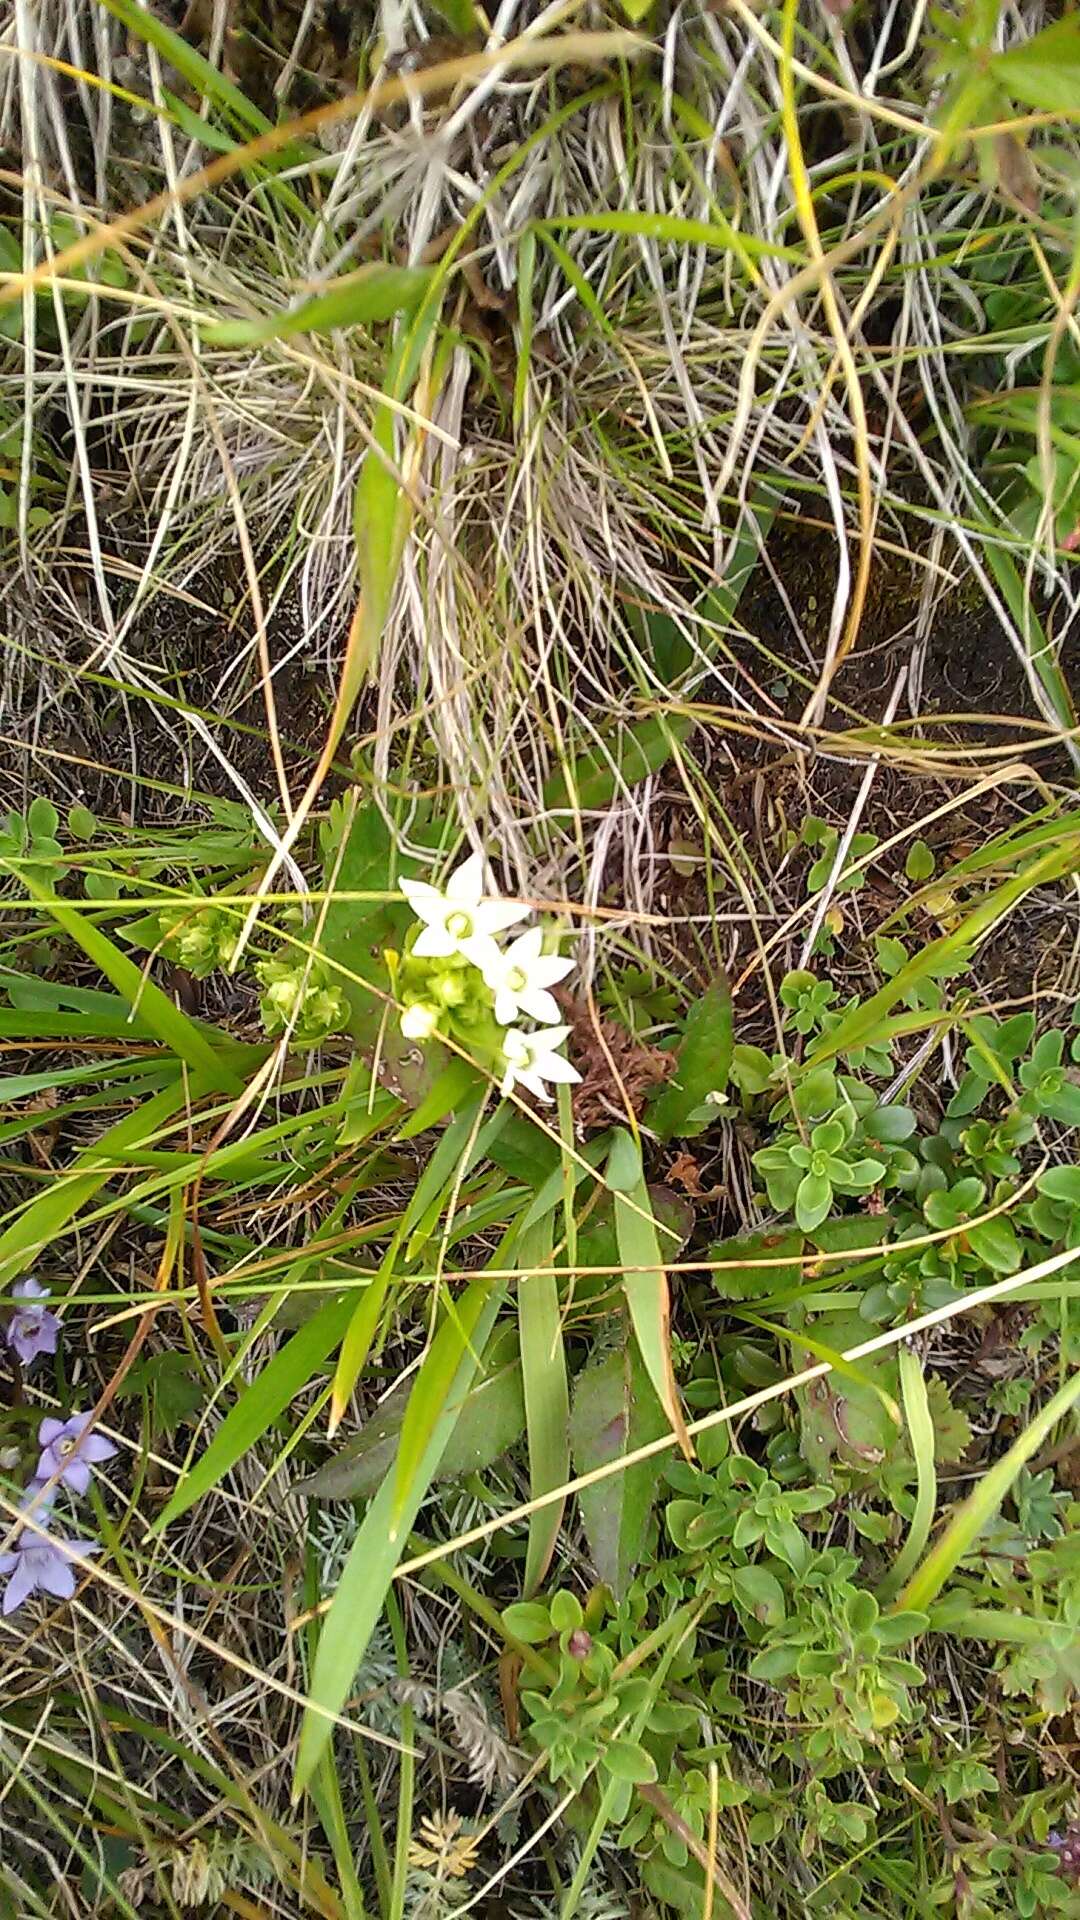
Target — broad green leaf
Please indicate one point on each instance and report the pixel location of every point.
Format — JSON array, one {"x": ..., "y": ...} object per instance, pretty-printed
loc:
[
  {"x": 646, "y": 1289},
  {"x": 919, "y": 863},
  {"x": 547, "y": 1403},
  {"x": 374, "y": 293},
  {"x": 623, "y": 1170},
  {"x": 813, "y": 1199},
  {"x": 1061, "y": 1183},
  {"x": 374, "y": 1554},
  {"x": 1044, "y": 71},
  {"x": 982, "y": 1503},
  {"x": 357, "y": 860},
  {"x": 260, "y": 1404},
  {"x": 853, "y": 1372},
  {"x": 761, "y": 1592},
  {"x": 627, "y": 1761},
  {"x": 702, "y": 1065},
  {"x": 615, "y": 1411},
  {"x": 630, "y": 755},
  {"x": 458, "y": 1082},
  {"x": 739, "y": 1281},
  {"x": 490, "y": 1419},
  {"x": 996, "y": 1243},
  {"x": 529, "y": 1621}
]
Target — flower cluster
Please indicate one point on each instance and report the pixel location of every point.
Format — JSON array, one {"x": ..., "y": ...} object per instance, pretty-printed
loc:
[
  {"x": 298, "y": 994},
  {"x": 456, "y": 974},
  {"x": 198, "y": 936},
  {"x": 68, "y": 1451}
]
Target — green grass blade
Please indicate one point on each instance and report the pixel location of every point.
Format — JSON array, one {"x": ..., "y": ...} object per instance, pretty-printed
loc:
[
  {"x": 1043, "y": 663},
  {"x": 51, "y": 1211},
  {"x": 864, "y": 1020},
  {"x": 374, "y": 293},
  {"x": 983, "y": 1502},
  {"x": 670, "y": 226},
  {"x": 260, "y": 1404},
  {"x": 374, "y": 1554},
  {"x": 646, "y": 1290},
  {"x": 547, "y": 1398},
  {"x": 920, "y": 1427},
  {"x": 207, "y": 81},
  {"x": 19, "y": 1086},
  {"x": 167, "y": 1022},
  {"x": 456, "y": 1339}
]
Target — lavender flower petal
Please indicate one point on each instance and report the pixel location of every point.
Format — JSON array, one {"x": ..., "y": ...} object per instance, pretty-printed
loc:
[
  {"x": 19, "y": 1587},
  {"x": 55, "y": 1574},
  {"x": 32, "y": 1328},
  {"x": 69, "y": 1451},
  {"x": 42, "y": 1565}
]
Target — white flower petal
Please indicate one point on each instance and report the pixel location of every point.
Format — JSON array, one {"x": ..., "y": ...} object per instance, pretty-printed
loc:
[
  {"x": 480, "y": 948},
  {"x": 466, "y": 884},
  {"x": 551, "y": 1038},
  {"x": 524, "y": 951},
  {"x": 554, "y": 1067},
  {"x": 434, "y": 943},
  {"x": 535, "y": 1085},
  {"x": 494, "y": 916},
  {"x": 426, "y": 902},
  {"x": 538, "y": 1004},
  {"x": 517, "y": 1047},
  {"x": 547, "y": 969},
  {"x": 506, "y": 1008}
]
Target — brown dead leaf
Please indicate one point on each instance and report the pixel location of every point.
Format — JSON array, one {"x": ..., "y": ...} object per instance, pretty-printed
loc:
[
  {"x": 43, "y": 1139},
  {"x": 685, "y": 1172},
  {"x": 617, "y": 1071}
]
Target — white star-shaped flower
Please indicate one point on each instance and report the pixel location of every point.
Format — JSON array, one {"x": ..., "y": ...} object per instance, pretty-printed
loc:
[
  {"x": 520, "y": 978},
  {"x": 458, "y": 919},
  {"x": 530, "y": 1059}
]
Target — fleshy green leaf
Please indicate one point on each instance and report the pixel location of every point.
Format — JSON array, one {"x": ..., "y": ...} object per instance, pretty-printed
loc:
[
  {"x": 491, "y": 1419},
  {"x": 616, "y": 1411},
  {"x": 702, "y": 1066}
]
